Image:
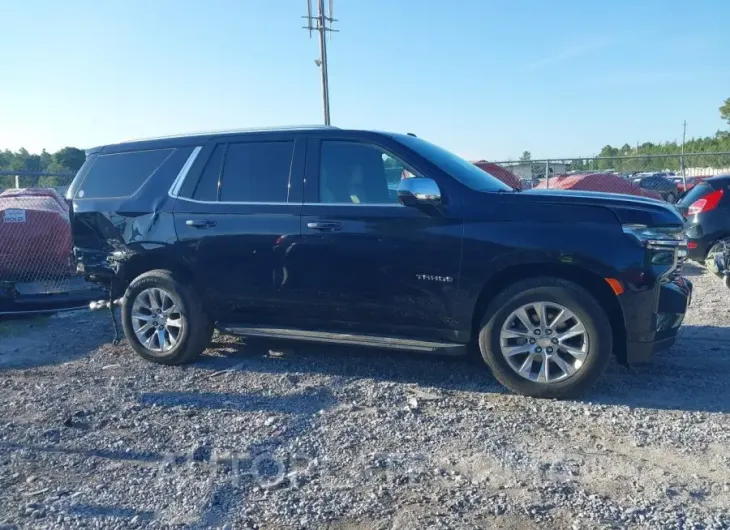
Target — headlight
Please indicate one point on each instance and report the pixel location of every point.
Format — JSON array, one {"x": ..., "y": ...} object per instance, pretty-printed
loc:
[{"x": 656, "y": 237}]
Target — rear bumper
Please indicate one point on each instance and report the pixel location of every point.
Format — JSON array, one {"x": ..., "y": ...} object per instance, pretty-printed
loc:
[
  {"x": 697, "y": 248},
  {"x": 705, "y": 231},
  {"x": 672, "y": 303},
  {"x": 95, "y": 264}
]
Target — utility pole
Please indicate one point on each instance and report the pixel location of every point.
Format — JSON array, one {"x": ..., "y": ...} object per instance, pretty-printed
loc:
[
  {"x": 319, "y": 23},
  {"x": 681, "y": 160}
]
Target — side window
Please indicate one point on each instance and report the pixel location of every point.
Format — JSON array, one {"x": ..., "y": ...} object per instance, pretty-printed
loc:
[
  {"x": 207, "y": 188},
  {"x": 354, "y": 173},
  {"x": 257, "y": 172},
  {"x": 121, "y": 174}
]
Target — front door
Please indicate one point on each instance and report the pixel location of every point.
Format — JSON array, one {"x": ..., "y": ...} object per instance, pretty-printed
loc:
[
  {"x": 366, "y": 262},
  {"x": 235, "y": 225}
]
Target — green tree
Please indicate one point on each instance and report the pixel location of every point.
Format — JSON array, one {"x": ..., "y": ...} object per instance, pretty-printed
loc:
[
  {"x": 70, "y": 158},
  {"x": 725, "y": 111},
  {"x": 46, "y": 160},
  {"x": 526, "y": 156}
]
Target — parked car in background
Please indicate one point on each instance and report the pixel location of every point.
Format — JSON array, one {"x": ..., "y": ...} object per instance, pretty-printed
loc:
[
  {"x": 706, "y": 208},
  {"x": 658, "y": 183},
  {"x": 224, "y": 231},
  {"x": 502, "y": 173},
  {"x": 691, "y": 182},
  {"x": 603, "y": 182}
]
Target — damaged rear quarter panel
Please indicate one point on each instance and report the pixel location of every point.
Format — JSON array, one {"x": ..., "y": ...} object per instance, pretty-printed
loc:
[{"x": 120, "y": 228}]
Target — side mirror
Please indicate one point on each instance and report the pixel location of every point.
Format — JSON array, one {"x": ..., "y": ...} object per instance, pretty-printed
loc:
[{"x": 419, "y": 191}]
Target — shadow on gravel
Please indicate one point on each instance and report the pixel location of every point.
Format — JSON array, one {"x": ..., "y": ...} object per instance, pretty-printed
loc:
[
  {"x": 301, "y": 403},
  {"x": 94, "y": 511},
  {"x": 131, "y": 456},
  {"x": 464, "y": 373},
  {"x": 42, "y": 341},
  {"x": 694, "y": 376}
]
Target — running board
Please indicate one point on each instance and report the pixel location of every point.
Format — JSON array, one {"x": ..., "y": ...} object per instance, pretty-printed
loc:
[{"x": 350, "y": 339}]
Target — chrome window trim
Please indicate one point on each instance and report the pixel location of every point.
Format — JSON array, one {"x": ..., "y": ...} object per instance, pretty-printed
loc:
[
  {"x": 180, "y": 179},
  {"x": 253, "y": 203},
  {"x": 239, "y": 202}
]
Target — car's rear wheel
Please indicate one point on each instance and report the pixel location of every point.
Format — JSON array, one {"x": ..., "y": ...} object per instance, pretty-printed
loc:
[
  {"x": 163, "y": 319},
  {"x": 546, "y": 337}
]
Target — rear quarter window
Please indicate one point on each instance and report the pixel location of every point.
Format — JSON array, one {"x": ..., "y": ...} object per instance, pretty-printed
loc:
[
  {"x": 121, "y": 174},
  {"x": 695, "y": 194}
]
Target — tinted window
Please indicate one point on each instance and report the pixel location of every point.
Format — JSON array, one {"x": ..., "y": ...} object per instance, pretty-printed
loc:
[
  {"x": 80, "y": 176},
  {"x": 121, "y": 174},
  {"x": 357, "y": 174},
  {"x": 696, "y": 193},
  {"x": 462, "y": 170},
  {"x": 257, "y": 172},
  {"x": 207, "y": 188}
]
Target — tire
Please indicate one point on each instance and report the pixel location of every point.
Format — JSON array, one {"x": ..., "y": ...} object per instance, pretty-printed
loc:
[
  {"x": 554, "y": 293},
  {"x": 714, "y": 249},
  {"x": 191, "y": 337}
]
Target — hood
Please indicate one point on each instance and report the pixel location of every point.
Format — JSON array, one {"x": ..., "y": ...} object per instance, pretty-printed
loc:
[{"x": 629, "y": 209}]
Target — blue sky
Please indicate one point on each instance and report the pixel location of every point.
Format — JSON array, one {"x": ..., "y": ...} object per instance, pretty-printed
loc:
[{"x": 484, "y": 78}]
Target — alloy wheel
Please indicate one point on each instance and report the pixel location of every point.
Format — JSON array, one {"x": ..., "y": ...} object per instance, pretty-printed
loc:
[
  {"x": 156, "y": 320},
  {"x": 544, "y": 342}
]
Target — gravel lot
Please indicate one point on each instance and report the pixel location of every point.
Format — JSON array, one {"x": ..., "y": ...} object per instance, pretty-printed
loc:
[{"x": 272, "y": 435}]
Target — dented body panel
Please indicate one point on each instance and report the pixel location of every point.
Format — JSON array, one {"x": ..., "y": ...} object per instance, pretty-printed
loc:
[{"x": 109, "y": 232}]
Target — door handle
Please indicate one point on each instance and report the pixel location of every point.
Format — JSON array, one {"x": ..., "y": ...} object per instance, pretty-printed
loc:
[
  {"x": 325, "y": 225},
  {"x": 200, "y": 223}
]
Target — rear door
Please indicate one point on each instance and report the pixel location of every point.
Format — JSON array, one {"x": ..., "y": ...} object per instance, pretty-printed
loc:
[{"x": 236, "y": 221}]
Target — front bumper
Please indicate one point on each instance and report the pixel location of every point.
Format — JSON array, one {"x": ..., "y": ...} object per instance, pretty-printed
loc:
[{"x": 673, "y": 300}]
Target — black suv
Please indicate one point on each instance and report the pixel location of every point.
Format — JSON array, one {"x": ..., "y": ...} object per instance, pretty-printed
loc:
[
  {"x": 706, "y": 208},
  {"x": 299, "y": 233}
]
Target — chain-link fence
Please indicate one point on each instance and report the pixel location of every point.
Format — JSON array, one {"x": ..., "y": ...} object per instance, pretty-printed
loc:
[
  {"x": 664, "y": 176},
  {"x": 37, "y": 271}
]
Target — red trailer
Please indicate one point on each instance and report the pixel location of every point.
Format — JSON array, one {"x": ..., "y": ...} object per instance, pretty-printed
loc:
[
  {"x": 503, "y": 174},
  {"x": 35, "y": 236},
  {"x": 605, "y": 182}
]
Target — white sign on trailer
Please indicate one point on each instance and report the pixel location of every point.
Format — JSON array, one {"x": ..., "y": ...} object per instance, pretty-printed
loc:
[{"x": 14, "y": 215}]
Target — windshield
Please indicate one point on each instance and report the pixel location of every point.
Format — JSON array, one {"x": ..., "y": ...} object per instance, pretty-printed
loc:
[
  {"x": 694, "y": 194},
  {"x": 462, "y": 170}
]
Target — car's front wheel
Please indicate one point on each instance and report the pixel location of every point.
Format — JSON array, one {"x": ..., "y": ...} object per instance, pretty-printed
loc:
[
  {"x": 163, "y": 319},
  {"x": 546, "y": 337}
]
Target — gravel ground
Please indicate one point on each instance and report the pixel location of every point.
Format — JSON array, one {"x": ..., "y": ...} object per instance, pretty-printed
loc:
[{"x": 272, "y": 435}]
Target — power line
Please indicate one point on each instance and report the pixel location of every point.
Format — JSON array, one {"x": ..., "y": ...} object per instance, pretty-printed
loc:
[{"x": 319, "y": 23}]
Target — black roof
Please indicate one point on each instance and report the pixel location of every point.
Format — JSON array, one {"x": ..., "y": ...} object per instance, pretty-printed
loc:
[
  {"x": 181, "y": 140},
  {"x": 719, "y": 179}
]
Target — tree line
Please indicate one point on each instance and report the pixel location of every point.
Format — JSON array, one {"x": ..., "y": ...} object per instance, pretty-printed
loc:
[
  {"x": 649, "y": 161},
  {"x": 66, "y": 160},
  {"x": 649, "y": 154}
]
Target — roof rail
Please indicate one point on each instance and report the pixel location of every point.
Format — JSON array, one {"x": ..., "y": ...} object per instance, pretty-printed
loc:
[{"x": 232, "y": 131}]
